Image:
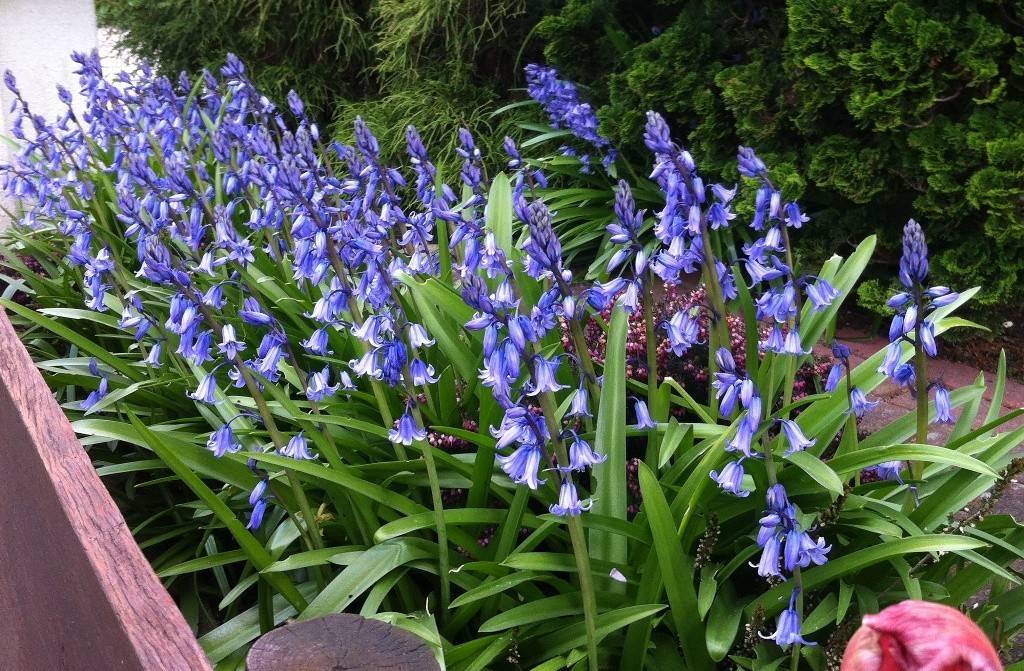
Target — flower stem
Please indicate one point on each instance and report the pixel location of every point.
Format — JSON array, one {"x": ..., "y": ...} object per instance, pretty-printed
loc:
[
  {"x": 311, "y": 532},
  {"x": 718, "y": 332},
  {"x": 579, "y": 548},
  {"x": 794, "y": 323},
  {"x": 438, "y": 504},
  {"x": 357, "y": 318},
  {"x": 921, "y": 373},
  {"x": 651, "y": 456},
  {"x": 576, "y": 536}
]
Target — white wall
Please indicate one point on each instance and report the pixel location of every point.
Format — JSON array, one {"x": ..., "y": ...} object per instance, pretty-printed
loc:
[{"x": 36, "y": 41}]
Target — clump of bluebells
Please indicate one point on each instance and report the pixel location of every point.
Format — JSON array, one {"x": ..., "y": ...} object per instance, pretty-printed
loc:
[
  {"x": 914, "y": 324},
  {"x": 379, "y": 346},
  {"x": 565, "y": 110}
]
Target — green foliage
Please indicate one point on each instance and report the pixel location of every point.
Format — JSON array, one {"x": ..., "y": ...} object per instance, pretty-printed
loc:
[
  {"x": 319, "y": 48},
  {"x": 688, "y": 588},
  {"x": 872, "y": 295},
  {"x": 881, "y": 109},
  {"x": 436, "y": 65}
]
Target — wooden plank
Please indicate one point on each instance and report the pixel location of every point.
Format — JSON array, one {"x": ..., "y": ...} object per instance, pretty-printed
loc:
[
  {"x": 340, "y": 641},
  {"x": 76, "y": 591}
]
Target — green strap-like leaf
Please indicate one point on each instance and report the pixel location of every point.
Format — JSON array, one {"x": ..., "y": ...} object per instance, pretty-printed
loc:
[
  {"x": 610, "y": 495},
  {"x": 361, "y": 575},
  {"x": 676, "y": 572},
  {"x": 254, "y": 550},
  {"x": 776, "y": 599}
]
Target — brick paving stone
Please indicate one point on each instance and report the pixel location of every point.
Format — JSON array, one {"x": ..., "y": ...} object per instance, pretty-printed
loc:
[{"x": 896, "y": 402}]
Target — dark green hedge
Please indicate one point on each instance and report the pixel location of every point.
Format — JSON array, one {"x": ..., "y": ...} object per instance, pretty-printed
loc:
[
  {"x": 872, "y": 110},
  {"x": 438, "y": 64},
  {"x": 876, "y": 110}
]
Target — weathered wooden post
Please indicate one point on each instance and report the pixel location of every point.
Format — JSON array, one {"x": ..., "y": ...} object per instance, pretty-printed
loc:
[
  {"x": 341, "y": 641},
  {"x": 75, "y": 590}
]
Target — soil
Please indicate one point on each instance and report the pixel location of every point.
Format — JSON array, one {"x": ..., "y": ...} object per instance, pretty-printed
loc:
[{"x": 977, "y": 348}]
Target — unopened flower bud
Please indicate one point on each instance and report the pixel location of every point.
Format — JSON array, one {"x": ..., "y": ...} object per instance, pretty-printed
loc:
[{"x": 914, "y": 635}]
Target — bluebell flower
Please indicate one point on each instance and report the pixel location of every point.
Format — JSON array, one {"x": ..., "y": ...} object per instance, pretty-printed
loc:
[
  {"x": 183, "y": 315},
  {"x": 749, "y": 164},
  {"x": 788, "y": 630},
  {"x": 726, "y": 281},
  {"x": 543, "y": 251},
  {"x": 727, "y": 395},
  {"x": 798, "y": 442},
  {"x": 731, "y": 479},
  {"x": 792, "y": 345},
  {"x": 821, "y": 294},
  {"x": 909, "y": 319},
  {"x": 407, "y": 431},
  {"x": 775, "y": 341},
  {"x": 888, "y": 470},
  {"x": 580, "y": 404},
  {"x": 523, "y": 465},
  {"x": 422, "y": 372},
  {"x": 791, "y": 553},
  {"x": 515, "y": 161},
  {"x": 252, "y": 313},
  {"x": 927, "y": 335},
  {"x": 206, "y": 392},
  {"x": 214, "y": 296},
  {"x": 741, "y": 440},
  {"x": 318, "y": 385},
  {"x": 840, "y": 351},
  {"x": 904, "y": 375},
  {"x": 813, "y": 551},
  {"x": 317, "y": 342},
  {"x": 943, "y": 406},
  {"x": 96, "y": 395},
  {"x": 561, "y": 101},
  {"x": 568, "y": 501},
  {"x": 229, "y": 345},
  {"x": 941, "y": 296},
  {"x": 860, "y": 403},
  {"x": 754, "y": 409},
  {"x": 581, "y": 455},
  {"x": 835, "y": 375},
  {"x": 153, "y": 358},
  {"x": 517, "y": 426},
  {"x": 372, "y": 330},
  {"x": 366, "y": 365},
  {"x": 779, "y": 304},
  {"x": 776, "y": 497},
  {"x": 896, "y": 330},
  {"x": 914, "y": 262},
  {"x": 545, "y": 376},
  {"x": 418, "y": 336},
  {"x": 657, "y": 135},
  {"x": 768, "y": 565},
  {"x": 893, "y": 354},
  {"x": 643, "y": 415},
  {"x": 625, "y": 230},
  {"x": 10, "y": 83},
  {"x": 898, "y": 300},
  {"x": 719, "y": 215},
  {"x": 259, "y": 491},
  {"x": 393, "y": 357},
  {"x": 297, "y": 448},
  {"x": 256, "y": 516},
  {"x": 794, "y": 217},
  {"x": 222, "y": 441}
]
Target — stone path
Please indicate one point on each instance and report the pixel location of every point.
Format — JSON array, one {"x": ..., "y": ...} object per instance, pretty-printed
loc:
[{"x": 896, "y": 402}]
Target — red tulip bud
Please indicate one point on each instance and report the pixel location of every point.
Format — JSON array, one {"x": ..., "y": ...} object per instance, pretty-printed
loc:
[{"x": 920, "y": 636}]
